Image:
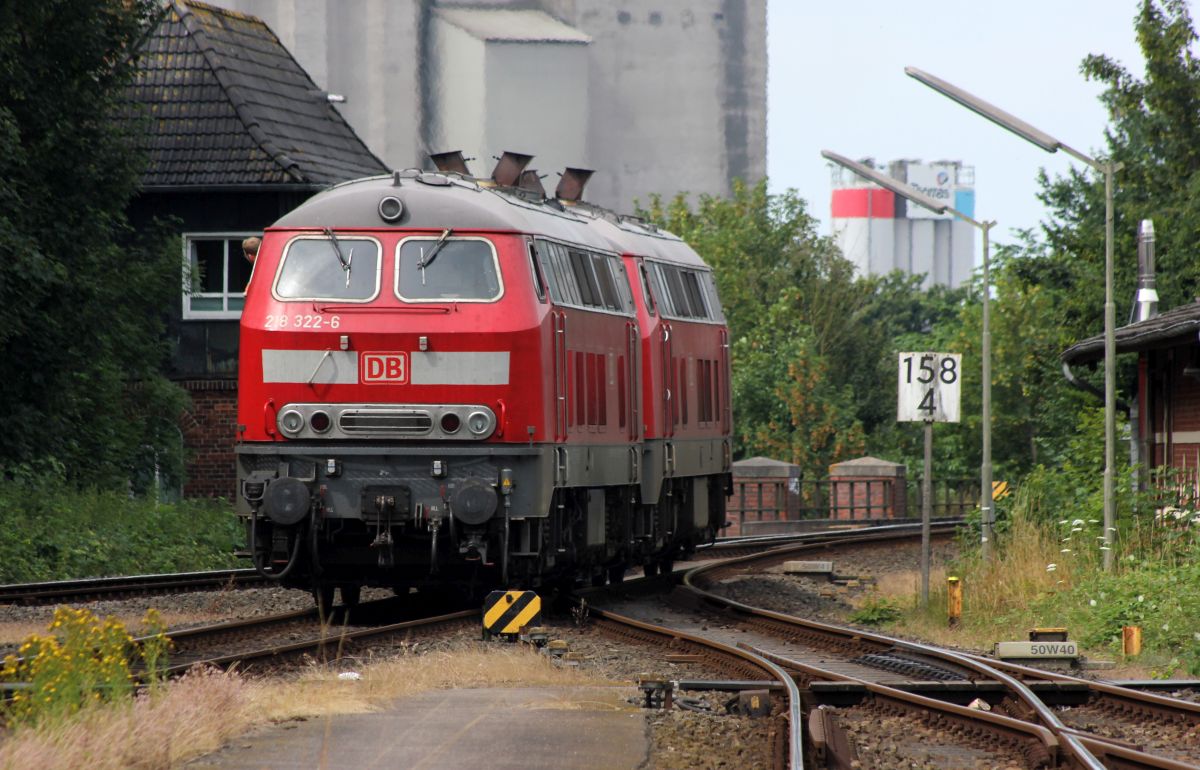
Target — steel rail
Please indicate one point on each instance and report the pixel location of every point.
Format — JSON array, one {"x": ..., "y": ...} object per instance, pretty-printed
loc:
[
  {"x": 741, "y": 658},
  {"x": 92, "y": 588},
  {"x": 1082, "y": 746},
  {"x": 326, "y": 640}
]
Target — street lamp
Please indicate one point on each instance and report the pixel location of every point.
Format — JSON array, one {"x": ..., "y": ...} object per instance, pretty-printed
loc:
[
  {"x": 987, "y": 516},
  {"x": 1108, "y": 168}
]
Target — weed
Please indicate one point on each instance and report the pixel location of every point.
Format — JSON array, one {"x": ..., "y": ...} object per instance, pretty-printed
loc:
[
  {"x": 83, "y": 660},
  {"x": 876, "y": 611}
]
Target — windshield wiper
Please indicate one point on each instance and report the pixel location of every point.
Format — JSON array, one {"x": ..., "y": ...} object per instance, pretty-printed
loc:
[
  {"x": 427, "y": 259},
  {"x": 337, "y": 250}
]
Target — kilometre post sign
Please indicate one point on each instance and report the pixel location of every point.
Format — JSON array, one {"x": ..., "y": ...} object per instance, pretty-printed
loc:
[{"x": 929, "y": 387}]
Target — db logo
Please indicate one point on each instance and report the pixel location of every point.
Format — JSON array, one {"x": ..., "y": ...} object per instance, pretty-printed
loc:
[{"x": 384, "y": 368}]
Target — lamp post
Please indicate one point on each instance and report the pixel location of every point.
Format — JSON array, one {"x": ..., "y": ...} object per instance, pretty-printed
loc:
[
  {"x": 1108, "y": 168},
  {"x": 987, "y": 516}
]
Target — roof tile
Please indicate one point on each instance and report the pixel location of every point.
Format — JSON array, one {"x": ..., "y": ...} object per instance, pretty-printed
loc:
[{"x": 218, "y": 100}]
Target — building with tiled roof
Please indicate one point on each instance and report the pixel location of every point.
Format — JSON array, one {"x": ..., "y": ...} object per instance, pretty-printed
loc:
[
  {"x": 226, "y": 105},
  {"x": 236, "y": 134}
]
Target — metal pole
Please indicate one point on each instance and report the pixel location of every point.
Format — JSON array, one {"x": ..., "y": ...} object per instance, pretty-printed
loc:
[
  {"x": 926, "y": 512},
  {"x": 1110, "y": 376},
  {"x": 985, "y": 492}
]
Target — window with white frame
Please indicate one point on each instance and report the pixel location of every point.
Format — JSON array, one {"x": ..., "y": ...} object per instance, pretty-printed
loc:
[{"x": 215, "y": 275}]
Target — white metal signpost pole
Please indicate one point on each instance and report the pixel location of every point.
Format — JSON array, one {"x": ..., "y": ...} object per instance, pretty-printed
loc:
[{"x": 928, "y": 391}]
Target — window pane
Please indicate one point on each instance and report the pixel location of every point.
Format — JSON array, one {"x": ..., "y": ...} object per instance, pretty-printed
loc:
[
  {"x": 460, "y": 270},
  {"x": 695, "y": 295},
  {"x": 208, "y": 266},
  {"x": 608, "y": 292},
  {"x": 589, "y": 292},
  {"x": 311, "y": 270},
  {"x": 205, "y": 303},
  {"x": 567, "y": 278},
  {"x": 236, "y": 302}
]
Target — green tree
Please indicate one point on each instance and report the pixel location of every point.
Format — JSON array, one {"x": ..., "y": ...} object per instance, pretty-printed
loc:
[{"x": 82, "y": 297}]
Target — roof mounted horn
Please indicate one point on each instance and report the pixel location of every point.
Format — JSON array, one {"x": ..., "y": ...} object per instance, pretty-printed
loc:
[
  {"x": 452, "y": 161},
  {"x": 570, "y": 187},
  {"x": 509, "y": 167}
]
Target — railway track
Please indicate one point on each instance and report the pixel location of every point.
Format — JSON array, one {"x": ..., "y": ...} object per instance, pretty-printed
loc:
[
  {"x": 295, "y": 634},
  {"x": 1096, "y": 725},
  {"x": 92, "y": 589}
]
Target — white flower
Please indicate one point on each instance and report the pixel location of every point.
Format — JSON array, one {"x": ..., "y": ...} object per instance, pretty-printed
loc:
[
  {"x": 1093, "y": 521},
  {"x": 1051, "y": 567},
  {"x": 1141, "y": 598},
  {"x": 1076, "y": 529},
  {"x": 1065, "y": 550},
  {"x": 1166, "y": 626},
  {"x": 1105, "y": 548},
  {"x": 1064, "y": 521},
  {"x": 1092, "y": 602},
  {"x": 1077, "y": 523}
]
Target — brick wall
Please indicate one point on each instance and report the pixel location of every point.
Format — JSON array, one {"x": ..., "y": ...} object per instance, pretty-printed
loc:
[
  {"x": 209, "y": 432},
  {"x": 868, "y": 498}
]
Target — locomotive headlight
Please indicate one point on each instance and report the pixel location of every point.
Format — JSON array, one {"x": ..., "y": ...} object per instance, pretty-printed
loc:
[
  {"x": 319, "y": 421},
  {"x": 291, "y": 422},
  {"x": 479, "y": 423}
]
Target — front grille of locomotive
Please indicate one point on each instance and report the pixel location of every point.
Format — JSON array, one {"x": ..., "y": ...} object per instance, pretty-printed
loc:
[{"x": 385, "y": 422}]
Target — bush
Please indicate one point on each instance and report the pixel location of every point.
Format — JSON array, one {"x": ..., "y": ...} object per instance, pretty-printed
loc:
[
  {"x": 876, "y": 612},
  {"x": 84, "y": 660},
  {"x": 54, "y": 533}
]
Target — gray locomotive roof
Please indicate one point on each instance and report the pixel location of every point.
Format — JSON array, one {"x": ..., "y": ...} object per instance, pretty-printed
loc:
[{"x": 435, "y": 201}]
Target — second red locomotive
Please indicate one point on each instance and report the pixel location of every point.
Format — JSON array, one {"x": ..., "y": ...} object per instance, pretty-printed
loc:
[{"x": 458, "y": 380}]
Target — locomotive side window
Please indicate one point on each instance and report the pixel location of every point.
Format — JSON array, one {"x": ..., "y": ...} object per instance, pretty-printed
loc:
[
  {"x": 584, "y": 279},
  {"x": 650, "y": 303},
  {"x": 710, "y": 288},
  {"x": 321, "y": 268},
  {"x": 539, "y": 284},
  {"x": 460, "y": 270},
  {"x": 562, "y": 282},
  {"x": 685, "y": 293},
  {"x": 589, "y": 291}
]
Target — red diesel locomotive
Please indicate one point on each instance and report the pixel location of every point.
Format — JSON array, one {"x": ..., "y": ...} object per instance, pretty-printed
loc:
[{"x": 453, "y": 380}]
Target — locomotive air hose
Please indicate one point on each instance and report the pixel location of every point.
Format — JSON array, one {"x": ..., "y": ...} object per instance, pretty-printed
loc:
[{"x": 293, "y": 557}]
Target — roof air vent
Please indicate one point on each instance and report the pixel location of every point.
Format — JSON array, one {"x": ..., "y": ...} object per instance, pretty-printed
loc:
[
  {"x": 570, "y": 187},
  {"x": 450, "y": 161},
  {"x": 531, "y": 182},
  {"x": 509, "y": 167}
]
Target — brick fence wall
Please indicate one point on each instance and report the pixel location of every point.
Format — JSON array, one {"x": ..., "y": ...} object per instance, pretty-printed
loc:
[{"x": 209, "y": 432}]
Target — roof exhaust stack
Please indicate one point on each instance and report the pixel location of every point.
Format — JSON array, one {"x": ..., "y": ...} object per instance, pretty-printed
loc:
[
  {"x": 570, "y": 187},
  {"x": 452, "y": 161},
  {"x": 531, "y": 182},
  {"x": 509, "y": 167},
  {"x": 1145, "y": 303}
]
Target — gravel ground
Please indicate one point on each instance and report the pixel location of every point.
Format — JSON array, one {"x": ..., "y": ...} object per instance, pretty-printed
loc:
[
  {"x": 868, "y": 569},
  {"x": 888, "y": 742}
]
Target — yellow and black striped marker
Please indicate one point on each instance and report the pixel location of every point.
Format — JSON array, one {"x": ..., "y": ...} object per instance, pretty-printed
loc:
[{"x": 505, "y": 613}]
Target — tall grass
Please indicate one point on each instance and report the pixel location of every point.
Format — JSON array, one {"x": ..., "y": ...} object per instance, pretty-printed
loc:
[
  {"x": 1047, "y": 570},
  {"x": 206, "y": 708}
]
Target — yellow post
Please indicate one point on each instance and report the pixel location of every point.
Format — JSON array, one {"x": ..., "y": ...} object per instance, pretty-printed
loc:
[
  {"x": 1131, "y": 638},
  {"x": 953, "y": 600}
]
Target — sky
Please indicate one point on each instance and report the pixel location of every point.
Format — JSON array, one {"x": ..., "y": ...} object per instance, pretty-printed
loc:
[{"x": 836, "y": 81}]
